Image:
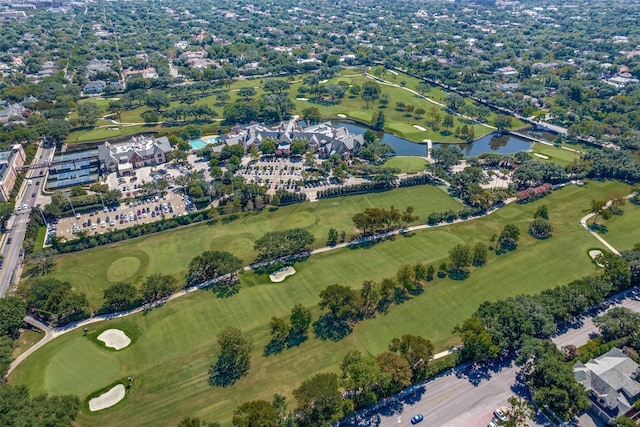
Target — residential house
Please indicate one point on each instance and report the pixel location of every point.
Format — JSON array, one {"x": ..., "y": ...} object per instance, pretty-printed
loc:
[
  {"x": 94, "y": 87},
  {"x": 611, "y": 382},
  {"x": 10, "y": 161},
  {"x": 139, "y": 151}
]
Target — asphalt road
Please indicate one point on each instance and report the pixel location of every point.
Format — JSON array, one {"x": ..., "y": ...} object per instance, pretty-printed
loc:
[
  {"x": 464, "y": 398},
  {"x": 12, "y": 252}
]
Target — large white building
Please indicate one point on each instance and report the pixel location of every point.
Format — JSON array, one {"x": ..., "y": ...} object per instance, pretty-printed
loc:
[{"x": 139, "y": 151}]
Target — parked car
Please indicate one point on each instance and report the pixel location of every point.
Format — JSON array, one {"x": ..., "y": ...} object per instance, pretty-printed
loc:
[
  {"x": 500, "y": 415},
  {"x": 417, "y": 418}
]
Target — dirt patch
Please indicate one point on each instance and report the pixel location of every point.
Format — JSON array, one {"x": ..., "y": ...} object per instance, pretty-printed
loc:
[
  {"x": 107, "y": 399},
  {"x": 115, "y": 339}
]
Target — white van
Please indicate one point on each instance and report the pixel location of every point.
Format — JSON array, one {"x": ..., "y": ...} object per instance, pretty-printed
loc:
[{"x": 30, "y": 182}]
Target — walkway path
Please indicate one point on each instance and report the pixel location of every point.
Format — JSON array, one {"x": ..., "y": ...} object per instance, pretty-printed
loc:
[{"x": 585, "y": 218}]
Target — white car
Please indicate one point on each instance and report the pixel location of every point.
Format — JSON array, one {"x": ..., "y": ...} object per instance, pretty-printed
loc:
[{"x": 500, "y": 414}]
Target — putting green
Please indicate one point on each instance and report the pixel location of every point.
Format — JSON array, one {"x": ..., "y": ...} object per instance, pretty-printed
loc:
[
  {"x": 70, "y": 368},
  {"x": 123, "y": 268}
]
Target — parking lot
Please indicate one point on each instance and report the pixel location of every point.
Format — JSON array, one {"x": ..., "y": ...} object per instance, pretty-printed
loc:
[{"x": 112, "y": 218}]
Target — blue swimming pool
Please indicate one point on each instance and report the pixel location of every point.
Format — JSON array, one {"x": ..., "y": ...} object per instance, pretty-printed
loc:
[{"x": 197, "y": 144}]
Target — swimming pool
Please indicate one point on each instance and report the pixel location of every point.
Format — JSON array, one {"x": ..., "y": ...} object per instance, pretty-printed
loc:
[{"x": 197, "y": 144}]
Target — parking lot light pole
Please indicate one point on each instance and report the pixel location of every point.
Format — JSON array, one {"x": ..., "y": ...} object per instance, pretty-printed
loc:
[
  {"x": 46, "y": 224},
  {"x": 75, "y": 216}
]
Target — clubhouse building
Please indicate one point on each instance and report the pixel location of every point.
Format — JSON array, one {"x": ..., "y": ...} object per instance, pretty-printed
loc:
[{"x": 139, "y": 151}]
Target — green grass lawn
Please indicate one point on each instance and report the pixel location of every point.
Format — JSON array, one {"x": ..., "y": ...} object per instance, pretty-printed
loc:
[
  {"x": 554, "y": 154},
  {"x": 623, "y": 231},
  {"x": 171, "y": 251},
  {"x": 406, "y": 164},
  {"x": 42, "y": 234},
  {"x": 26, "y": 340},
  {"x": 175, "y": 344}
]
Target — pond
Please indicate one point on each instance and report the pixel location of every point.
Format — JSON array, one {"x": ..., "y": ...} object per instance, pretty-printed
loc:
[{"x": 492, "y": 143}]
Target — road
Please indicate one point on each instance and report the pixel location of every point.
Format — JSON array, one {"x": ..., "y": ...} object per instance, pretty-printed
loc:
[
  {"x": 12, "y": 252},
  {"x": 465, "y": 397}
]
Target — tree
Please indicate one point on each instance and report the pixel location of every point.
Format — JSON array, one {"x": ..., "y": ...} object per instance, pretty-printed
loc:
[
  {"x": 12, "y": 312},
  {"x": 257, "y": 413},
  {"x": 19, "y": 409},
  {"x": 211, "y": 265},
  {"x": 233, "y": 358},
  {"x": 246, "y": 92},
  {"x": 454, "y": 102},
  {"x": 397, "y": 369},
  {"x": 157, "y": 287},
  {"x": 508, "y": 239},
  {"x": 378, "y": 120},
  {"x": 423, "y": 87},
  {"x": 319, "y": 401},
  {"x": 598, "y": 208},
  {"x": 417, "y": 351},
  {"x": 542, "y": 212},
  {"x": 282, "y": 243},
  {"x": 477, "y": 343},
  {"x": 120, "y": 296},
  {"x": 300, "y": 321},
  {"x": 332, "y": 238},
  {"x": 618, "y": 322},
  {"x": 617, "y": 271},
  {"x": 157, "y": 99},
  {"x": 311, "y": 115},
  {"x": 480, "y": 254},
  {"x": 459, "y": 260},
  {"x": 447, "y": 122},
  {"x": 341, "y": 301},
  {"x": 518, "y": 413},
  {"x": 89, "y": 112},
  {"x": 502, "y": 122},
  {"x": 540, "y": 228},
  {"x": 362, "y": 378}
]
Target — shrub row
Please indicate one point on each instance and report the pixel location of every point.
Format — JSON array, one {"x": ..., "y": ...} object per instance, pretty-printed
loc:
[{"x": 351, "y": 189}]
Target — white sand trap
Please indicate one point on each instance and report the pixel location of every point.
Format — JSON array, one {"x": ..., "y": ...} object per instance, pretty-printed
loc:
[
  {"x": 323, "y": 81},
  {"x": 542, "y": 156},
  {"x": 594, "y": 254},
  {"x": 107, "y": 399},
  {"x": 114, "y": 338},
  {"x": 302, "y": 99},
  {"x": 341, "y": 115},
  {"x": 420, "y": 128},
  {"x": 282, "y": 274}
]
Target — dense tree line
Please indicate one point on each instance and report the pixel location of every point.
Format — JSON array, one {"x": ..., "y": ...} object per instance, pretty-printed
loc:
[
  {"x": 54, "y": 301},
  {"x": 276, "y": 244},
  {"x": 376, "y": 220},
  {"x": 516, "y": 323}
]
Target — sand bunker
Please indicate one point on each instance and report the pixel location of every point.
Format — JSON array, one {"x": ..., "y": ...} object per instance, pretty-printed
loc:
[
  {"x": 594, "y": 254},
  {"x": 420, "y": 128},
  {"x": 114, "y": 338},
  {"x": 282, "y": 274},
  {"x": 107, "y": 399},
  {"x": 341, "y": 115},
  {"x": 542, "y": 156},
  {"x": 302, "y": 99}
]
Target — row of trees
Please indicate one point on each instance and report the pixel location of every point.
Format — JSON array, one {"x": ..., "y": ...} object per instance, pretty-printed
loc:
[
  {"x": 375, "y": 220},
  {"x": 516, "y": 324}
]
